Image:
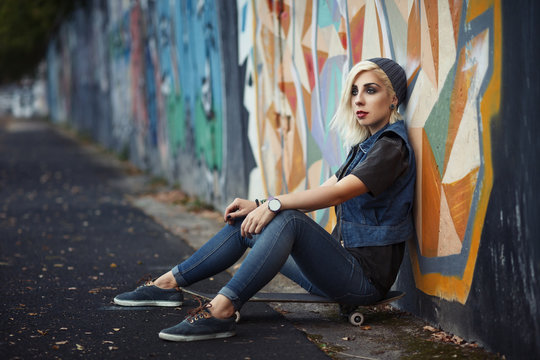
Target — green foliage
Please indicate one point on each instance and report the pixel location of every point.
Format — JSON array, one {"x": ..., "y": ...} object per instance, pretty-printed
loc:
[{"x": 25, "y": 29}]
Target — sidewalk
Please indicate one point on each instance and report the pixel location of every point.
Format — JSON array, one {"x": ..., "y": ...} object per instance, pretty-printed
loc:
[
  {"x": 387, "y": 333},
  {"x": 70, "y": 241}
]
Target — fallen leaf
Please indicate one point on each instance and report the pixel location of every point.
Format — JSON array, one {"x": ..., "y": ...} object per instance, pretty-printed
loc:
[
  {"x": 61, "y": 342},
  {"x": 63, "y": 328},
  {"x": 79, "y": 347},
  {"x": 113, "y": 348},
  {"x": 58, "y": 265},
  {"x": 72, "y": 288},
  {"x": 98, "y": 289},
  {"x": 32, "y": 314},
  {"x": 113, "y": 265},
  {"x": 430, "y": 328},
  {"x": 457, "y": 340},
  {"x": 43, "y": 333},
  {"x": 116, "y": 329},
  {"x": 108, "y": 342},
  {"x": 281, "y": 311},
  {"x": 55, "y": 347},
  {"x": 367, "y": 327},
  {"x": 348, "y": 338}
]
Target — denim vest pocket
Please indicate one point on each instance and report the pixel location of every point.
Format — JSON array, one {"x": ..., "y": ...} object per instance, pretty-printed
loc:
[{"x": 358, "y": 235}]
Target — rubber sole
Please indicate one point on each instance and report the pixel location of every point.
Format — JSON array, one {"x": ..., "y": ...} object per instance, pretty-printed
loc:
[
  {"x": 172, "y": 337},
  {"x": 163, "y": 303}
]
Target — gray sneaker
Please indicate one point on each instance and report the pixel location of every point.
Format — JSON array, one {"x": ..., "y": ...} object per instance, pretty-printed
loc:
[
  {"x": 150, "y": 295},
  {"x": 200, "y": 326}
]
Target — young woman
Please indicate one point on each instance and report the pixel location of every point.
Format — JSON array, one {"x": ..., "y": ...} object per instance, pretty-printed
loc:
[{"x": 356, "y": 264}]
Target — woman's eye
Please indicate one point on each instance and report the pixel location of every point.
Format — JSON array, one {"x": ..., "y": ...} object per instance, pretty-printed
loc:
[
  {"x": 371, "y": 90},
  {"x": 354, "y": 91}
]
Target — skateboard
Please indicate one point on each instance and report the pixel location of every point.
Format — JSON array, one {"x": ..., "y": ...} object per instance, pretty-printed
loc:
[{"x": 353, "y": 313}]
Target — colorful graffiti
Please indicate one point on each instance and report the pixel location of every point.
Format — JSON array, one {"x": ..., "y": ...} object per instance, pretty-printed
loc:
[
  {"x": 159, "y": 68},
  {"x": 162, "y": 74},
  {"x": 451, "y": 133},
  {"x": 185, "y": 57},
  {"x": 165, "y": 84},
  {"x": 451, "y": 51}
]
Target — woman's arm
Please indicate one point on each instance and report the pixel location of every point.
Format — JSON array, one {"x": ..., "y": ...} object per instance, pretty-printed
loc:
[
  {"x": 331, "y": 181},
  {"x": 241, "y": 207},
  {"x": 330, "y": 193}
]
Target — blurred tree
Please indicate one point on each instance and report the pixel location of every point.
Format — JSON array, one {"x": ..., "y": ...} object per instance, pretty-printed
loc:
[{"x": 25, "y": 29}]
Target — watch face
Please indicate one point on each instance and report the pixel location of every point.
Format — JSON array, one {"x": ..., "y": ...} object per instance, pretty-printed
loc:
[{"x": 274, "y": 205}]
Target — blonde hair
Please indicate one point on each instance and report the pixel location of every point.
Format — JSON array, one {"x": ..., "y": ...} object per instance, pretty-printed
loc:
[{"x": 344, "y": 120}]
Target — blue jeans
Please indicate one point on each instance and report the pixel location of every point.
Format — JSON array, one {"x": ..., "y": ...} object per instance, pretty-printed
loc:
[{"x": 293, "y": 244}]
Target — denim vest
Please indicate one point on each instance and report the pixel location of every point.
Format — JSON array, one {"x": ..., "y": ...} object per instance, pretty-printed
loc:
[{"x": 386, "y": 219}]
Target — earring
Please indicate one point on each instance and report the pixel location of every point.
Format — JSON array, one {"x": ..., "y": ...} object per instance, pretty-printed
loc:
[{"x": 392, "y": 106}]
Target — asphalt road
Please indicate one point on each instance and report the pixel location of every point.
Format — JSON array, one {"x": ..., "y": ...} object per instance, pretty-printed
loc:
[{"x": 70, "y": 241}]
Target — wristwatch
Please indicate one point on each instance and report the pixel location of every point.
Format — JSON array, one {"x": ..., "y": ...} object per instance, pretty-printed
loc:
[{"x": 274, "y": 204}]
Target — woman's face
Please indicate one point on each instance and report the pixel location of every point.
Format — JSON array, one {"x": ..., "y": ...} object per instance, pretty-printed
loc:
[{"x": 371, "y": 101}]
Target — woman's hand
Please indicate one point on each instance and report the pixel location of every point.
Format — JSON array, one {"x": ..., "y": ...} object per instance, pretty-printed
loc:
[
  {"x": 238, "y": 209},
  {"x": 256, "y": 220}
]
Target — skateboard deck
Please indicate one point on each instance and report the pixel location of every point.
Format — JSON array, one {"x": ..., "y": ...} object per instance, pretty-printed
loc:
[{"x": 353, "y": 313}]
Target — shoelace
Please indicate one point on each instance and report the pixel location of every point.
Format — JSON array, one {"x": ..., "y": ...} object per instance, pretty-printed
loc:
[
  {"x": 145, "y": 280},
  {"x": 200, "y": 312}
]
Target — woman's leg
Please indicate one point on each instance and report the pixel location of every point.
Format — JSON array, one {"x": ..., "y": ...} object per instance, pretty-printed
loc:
[
  {"x": 291, "y": 270},
  {"x": 320, "y": 258},
  {"x": 215, "y": 256}
]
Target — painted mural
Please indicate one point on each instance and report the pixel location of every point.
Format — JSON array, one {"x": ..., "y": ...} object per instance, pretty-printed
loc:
[
  {"x": 159, "y": 66},
  {"x": 160, "y": 69},
  {"x": 452, "y": 54}
]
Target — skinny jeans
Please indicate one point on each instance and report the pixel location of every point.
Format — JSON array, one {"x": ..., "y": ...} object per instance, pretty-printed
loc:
[{"x": 293, "y": 244}]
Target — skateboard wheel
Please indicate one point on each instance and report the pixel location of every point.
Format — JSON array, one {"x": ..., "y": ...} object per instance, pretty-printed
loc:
[
  {"x": 356, "y": 318},
  {"x": 237, "y": 317}
]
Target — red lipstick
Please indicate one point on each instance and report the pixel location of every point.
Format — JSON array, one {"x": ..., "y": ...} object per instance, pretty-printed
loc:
[{"x": 361, "y": 114}]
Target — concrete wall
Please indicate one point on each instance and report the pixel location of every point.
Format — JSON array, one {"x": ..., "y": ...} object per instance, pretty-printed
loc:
[{"x": 233, "y": 98}]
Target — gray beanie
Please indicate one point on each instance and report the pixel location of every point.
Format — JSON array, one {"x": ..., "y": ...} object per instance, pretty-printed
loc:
[{"x": 396, "y": 74}]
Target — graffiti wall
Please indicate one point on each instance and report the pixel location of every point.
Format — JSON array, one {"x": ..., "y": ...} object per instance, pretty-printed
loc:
[
  {"x": 157, "y": 81},
  {"x": 452, "y": 54},
  {"x": 234, "y": 98}
]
